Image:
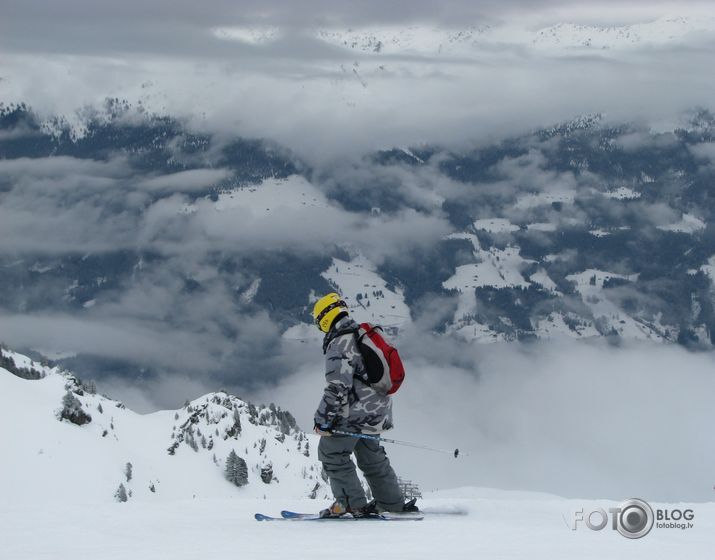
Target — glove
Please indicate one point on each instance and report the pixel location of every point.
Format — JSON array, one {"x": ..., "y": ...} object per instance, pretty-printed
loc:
[{"x": 322, "y": 429}]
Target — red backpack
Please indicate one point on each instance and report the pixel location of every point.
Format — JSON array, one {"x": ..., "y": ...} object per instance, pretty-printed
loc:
[{"x": 384, "y": 369}]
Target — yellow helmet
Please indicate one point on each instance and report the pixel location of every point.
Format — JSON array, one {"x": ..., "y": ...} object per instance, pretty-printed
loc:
[{"x": 326, "y": 309}]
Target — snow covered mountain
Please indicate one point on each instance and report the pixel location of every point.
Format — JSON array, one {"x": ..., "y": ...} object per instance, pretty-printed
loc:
[
  {"x": 63, "y": 442},
  {"x": 473, "y": 40},
  {"x": 84, "y": 477},
  {"x": 584, "y": 229}
]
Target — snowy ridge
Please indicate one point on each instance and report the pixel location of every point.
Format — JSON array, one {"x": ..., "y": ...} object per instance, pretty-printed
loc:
[
  {"x": 249, "y": 35},
  {"x": 416, "y": 39},
  {"x": 471, "y": 40},
  {"x": 174, "y": 454},
  {"x": 662, "y": 31}
]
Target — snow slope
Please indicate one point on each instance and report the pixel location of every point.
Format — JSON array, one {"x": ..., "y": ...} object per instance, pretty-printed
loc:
[
  {"x": 590, "y": 285},
  {"x": 273, "y": 196},
  {"x": 496, "y": 524},
  {"x": 57, "y": 481},
  {"x": 175, "y": 454},
  {"x": 709, "y": 268},
  {"x": 494, "y": 267},
  {"x": 502, "y": 269},
  {"x": 368, "y": 296}
]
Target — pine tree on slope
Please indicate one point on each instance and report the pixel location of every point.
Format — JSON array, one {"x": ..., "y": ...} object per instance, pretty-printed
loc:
[{"x": 236, "y": 470}]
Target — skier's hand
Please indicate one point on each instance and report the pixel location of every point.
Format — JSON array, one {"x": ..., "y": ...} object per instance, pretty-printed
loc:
[{"x": 322, "y": 430}]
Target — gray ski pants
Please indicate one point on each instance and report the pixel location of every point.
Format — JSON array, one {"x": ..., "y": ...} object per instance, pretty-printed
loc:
[{"x": 334, "y": 452}]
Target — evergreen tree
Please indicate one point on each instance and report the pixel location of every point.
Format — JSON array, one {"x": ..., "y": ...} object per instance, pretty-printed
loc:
[
  {"x": 89, "y": 386},
  {"x": 236, "y": 470},
  {"x": 121, "y": 494},
  {"x": 128, "y": 471},
  {"x": 6, "y": 362},
  {"x": 190, "y": 440},
  {"x": 72, "y": 410},
  {"x": 235, "y": 429}
]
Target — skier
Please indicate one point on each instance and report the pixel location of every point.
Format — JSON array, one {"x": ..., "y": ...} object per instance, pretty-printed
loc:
[{"x": 349, "y": 404}]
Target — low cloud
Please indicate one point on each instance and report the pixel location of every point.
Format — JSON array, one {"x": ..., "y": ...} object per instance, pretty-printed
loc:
[
  {"x": 60, "y": 167},
  {"x": 185, "y": 181},
  {"x": 153, "y": 345},
  {"x": 575, "y": 419},
  {"x": 705, "y": 151},
  {"x": 642, "y": 140},
  {"x": 327, "y": 102}
]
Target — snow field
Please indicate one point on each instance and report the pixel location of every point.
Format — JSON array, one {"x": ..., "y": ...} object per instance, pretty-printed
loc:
[
  {"x": 602, "y": 308},
  {"x": 687, "y": 224},
  {"x": 497, "y": 268},
  {"x": 498, "y": 524},
  {"x": 57, "y": 481},
  {"x": 367, "y": 294},
  {"x": 272, "y": 195}
]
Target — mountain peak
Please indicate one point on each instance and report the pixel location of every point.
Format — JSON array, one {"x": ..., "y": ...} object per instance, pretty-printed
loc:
[{"x": 76, "y": 444}]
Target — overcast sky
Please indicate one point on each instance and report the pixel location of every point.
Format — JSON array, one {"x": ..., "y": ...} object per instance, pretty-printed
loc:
[
  {"x": 308, "y": 13},
  {"x": 326, "y": 100}
]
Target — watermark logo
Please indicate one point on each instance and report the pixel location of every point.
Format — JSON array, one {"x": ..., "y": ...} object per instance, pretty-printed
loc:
[{"x": 633, "y": 518}]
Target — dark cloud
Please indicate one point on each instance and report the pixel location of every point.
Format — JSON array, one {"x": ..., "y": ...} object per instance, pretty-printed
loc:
[
  {"x": 175, "y": 272},
  {"x": 168, "y": 13}
]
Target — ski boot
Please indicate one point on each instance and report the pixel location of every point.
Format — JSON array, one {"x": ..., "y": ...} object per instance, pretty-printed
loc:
[
  {"x": 338, "y": 509},
  {"x": 373, "y": 509},
  {"x": 411, "y": 507}
]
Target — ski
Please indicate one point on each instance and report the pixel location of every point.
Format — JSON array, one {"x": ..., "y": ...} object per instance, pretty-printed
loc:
[
  {"x": 261, "y": 517},
  {"x": 301, "y": 517},
  {"x": 294, "y": 515}
]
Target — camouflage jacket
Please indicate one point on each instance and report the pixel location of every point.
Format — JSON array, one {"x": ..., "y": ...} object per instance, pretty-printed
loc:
[{"x": 348, "y": 403}]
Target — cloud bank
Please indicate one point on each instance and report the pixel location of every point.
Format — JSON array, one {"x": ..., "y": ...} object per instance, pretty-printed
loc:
[
  {"x": 573, "y": 419},
  {"x": 327, "y": 100}
]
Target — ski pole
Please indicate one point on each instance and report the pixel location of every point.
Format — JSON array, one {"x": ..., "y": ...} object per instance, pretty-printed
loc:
[{"x": 455, "y": 453}]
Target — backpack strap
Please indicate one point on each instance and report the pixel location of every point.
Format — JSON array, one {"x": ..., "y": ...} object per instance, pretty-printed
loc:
[
  {"x": 333, "y": 335},
  {"x": 368, "y": 331}
]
